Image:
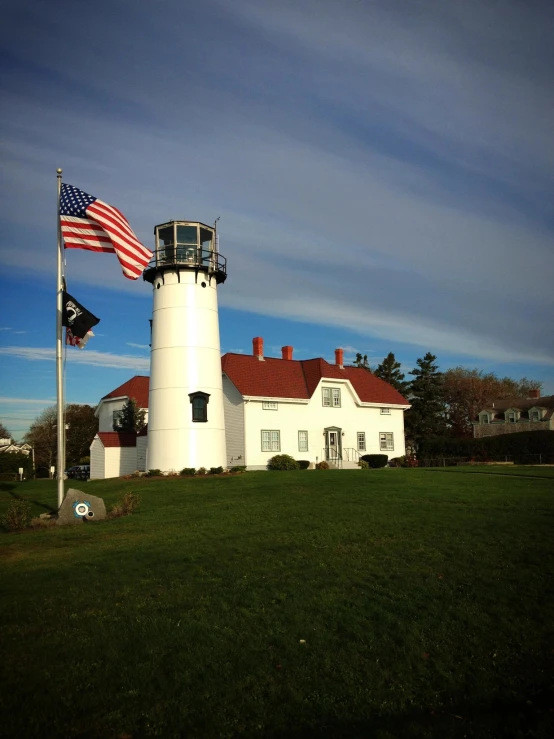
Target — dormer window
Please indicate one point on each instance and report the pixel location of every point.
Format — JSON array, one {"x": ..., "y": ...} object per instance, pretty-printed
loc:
[
  {"x": 511, "y": 417},
  {"x": 535, "y": 414},
  {"x": 484, "y": 418}
]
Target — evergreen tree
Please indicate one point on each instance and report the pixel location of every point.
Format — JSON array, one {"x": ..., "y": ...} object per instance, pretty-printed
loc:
[
  {"x": 426, "y": 416},
  {"x": 131, "y": 418},
  {"x": 389, "y": 371}
]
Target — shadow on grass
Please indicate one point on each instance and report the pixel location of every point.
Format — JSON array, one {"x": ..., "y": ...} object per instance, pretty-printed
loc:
[
  {"x": 10, "y": 489},
  {"x": 500, "y": 717},
  {"x": 457, "y": 471}
]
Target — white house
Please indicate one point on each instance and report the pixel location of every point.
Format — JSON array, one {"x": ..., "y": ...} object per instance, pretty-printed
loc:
[{"x": 309, "y": 409}]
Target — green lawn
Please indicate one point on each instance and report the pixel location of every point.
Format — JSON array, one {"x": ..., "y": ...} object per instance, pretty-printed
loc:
[{"x": 425, "y": 599}]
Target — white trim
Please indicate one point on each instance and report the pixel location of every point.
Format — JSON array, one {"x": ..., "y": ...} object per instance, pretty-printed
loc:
[{"x": 276, "y": 399}]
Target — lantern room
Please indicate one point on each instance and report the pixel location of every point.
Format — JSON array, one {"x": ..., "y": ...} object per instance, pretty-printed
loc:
[{"x": 186, "y": 245}]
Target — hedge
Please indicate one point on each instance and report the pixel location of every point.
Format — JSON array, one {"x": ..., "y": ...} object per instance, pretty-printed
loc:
[{"x": 521, "y": 444}]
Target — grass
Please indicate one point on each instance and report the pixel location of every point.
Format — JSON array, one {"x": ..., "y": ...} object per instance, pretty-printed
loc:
[{"x": 424, "y": 598}]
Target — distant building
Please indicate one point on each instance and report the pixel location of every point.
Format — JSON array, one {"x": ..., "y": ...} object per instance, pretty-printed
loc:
[
  {"x": 510, "y": 415},
  {"x": 6, "y": 446}
]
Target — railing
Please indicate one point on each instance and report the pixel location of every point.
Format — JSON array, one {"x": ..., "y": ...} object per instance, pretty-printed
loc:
[
  {"x": 332, "y": 455},
  {"x": 349, "y": 454},
  {"x": 192, "y": 256}
]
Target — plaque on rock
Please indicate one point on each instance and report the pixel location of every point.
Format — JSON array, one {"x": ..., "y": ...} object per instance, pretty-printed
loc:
[{"x": 79, "y": 507}]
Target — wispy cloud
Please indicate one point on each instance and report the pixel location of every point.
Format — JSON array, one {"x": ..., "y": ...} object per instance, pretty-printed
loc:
[
  {"x": 138, "y": 346},
  {"x": 386, "y": 168},
  {"x": 98, "y": 359}
]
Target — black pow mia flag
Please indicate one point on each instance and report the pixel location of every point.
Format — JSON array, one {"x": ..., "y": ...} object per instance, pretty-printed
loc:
[{"x": 77, "y": 318}]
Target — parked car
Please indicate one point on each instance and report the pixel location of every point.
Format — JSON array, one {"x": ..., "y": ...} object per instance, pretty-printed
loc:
[{"x": 79, "y": 472}]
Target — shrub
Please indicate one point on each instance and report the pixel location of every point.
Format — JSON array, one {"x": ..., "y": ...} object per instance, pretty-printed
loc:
[
  {"x": 404, "y": 461},
  {"x": 172, "y": 473},
  {"x": 201, "y": 471},
  {"x": 188, "y": 471},
  {"x": 362, "y": 464},
  {"x": 215, "y": 470},
  {"x": 17, "y": 515},
  {"x": 154, "y": 473},
  {"x": 126, "y": 505},
  {"x": 282, "y": 462},
  {"x": 375, "y": 460},
  {"x": 322, "y": 465},
  {"x": 238, "y": 468},
  {"x": 303, "y": 464}
]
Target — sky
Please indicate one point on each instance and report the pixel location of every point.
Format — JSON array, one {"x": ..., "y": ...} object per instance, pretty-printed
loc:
[{"x": 382, "y": 170}]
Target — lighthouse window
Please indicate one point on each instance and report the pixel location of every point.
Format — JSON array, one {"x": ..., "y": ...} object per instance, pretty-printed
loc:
[
  {"x": 166, "y": 250},
  {"x": 199, "y": 402},
  {"x": 187, "y": 235}
]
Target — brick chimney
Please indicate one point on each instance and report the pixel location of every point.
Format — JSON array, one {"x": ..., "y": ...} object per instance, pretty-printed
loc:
[
  {"x": 286, "y": 352},
  {"x": 258, "y": 348},
  {"x": 339, "y": 358},
  {"x": 534, "y": 394}
]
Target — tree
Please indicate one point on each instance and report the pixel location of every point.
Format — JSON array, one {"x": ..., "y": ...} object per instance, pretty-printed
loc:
[
  {"x": 131, "y": 418},
  {"x": 389, "y": 371},
  {"x": 426, "y": 416},
  {"x": 361, "y": 361},
  {"x": 42, "y": 436},
  {"x": 467, "y": 391},
  {"x": 81, "y": 424},
  {"x": 4, "y": 433}
]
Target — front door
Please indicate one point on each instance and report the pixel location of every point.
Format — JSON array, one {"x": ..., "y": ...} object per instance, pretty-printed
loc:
[{"x": 332, "y": 445}]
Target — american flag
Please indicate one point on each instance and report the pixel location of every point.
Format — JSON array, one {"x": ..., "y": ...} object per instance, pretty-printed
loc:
[{"x": 89, "y": 223}]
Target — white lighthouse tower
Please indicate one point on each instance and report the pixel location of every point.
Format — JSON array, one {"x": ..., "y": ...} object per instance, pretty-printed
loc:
[{"x": 186, "y": 426}]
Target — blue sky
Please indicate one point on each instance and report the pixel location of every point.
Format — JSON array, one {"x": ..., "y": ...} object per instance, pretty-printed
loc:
[{"x": 383, "y": 173}]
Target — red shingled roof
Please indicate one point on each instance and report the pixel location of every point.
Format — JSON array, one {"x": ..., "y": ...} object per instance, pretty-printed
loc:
[
  {"x": 278, "y": 378},
  {"x": 283, "y": 378},
  {"x": 136, "y": 387},
  {"x": 112, "y": 438}
]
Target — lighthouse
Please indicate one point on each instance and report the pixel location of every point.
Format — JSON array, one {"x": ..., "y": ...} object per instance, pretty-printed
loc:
[{"x": 186, "y": 425}]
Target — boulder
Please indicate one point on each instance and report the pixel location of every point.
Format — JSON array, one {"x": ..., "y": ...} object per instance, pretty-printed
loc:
[{"x": 79, "y": 507}]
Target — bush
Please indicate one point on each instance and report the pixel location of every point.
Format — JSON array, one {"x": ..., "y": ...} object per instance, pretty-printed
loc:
[
  {"x": 375, "y": 460},
  {"x": 11, "y": 462},
  {"x": 126, "y": 505},
  {"x": 322, "y": 465},
  {"x": 188, "y": 471},
  {"x": 362, "y": 464},
  {"x": 201, "y": 471},
  {"x": 17, "y": 515},
  {"x": 215, "y": 470},
  {"x": 154, "y": 473},
  {"x": 303, "y": 464},
  {"x": 238, "y": 468},
  {"x": 404, "y": 461},
  {"x": 282, "y": 462}
]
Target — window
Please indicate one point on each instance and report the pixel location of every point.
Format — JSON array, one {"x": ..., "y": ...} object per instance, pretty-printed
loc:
[
  {"x": 271, "y": 441},
  {"x": 331, "y": 397},
  {"x": 535, "y": 416},
  {"x": 269, "y": 405},
  {"x": 385, "y": 411},
  {"x": 302, "y": 441},
  {"x": 361, "y": 441},
  {"x": 117, "y": 417},
  {"x": 386, "y": 442},
  {"x": 485, "y": 418},
  {"x": 199, "y": 402},
  {"x": 511, "y": 417}
]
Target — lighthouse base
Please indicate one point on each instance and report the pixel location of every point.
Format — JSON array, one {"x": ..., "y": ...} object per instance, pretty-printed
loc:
[{"x": 172, "y": 450}]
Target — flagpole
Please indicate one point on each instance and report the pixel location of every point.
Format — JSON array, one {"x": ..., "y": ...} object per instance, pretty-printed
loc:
[{"x": 60, "y": 467}]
